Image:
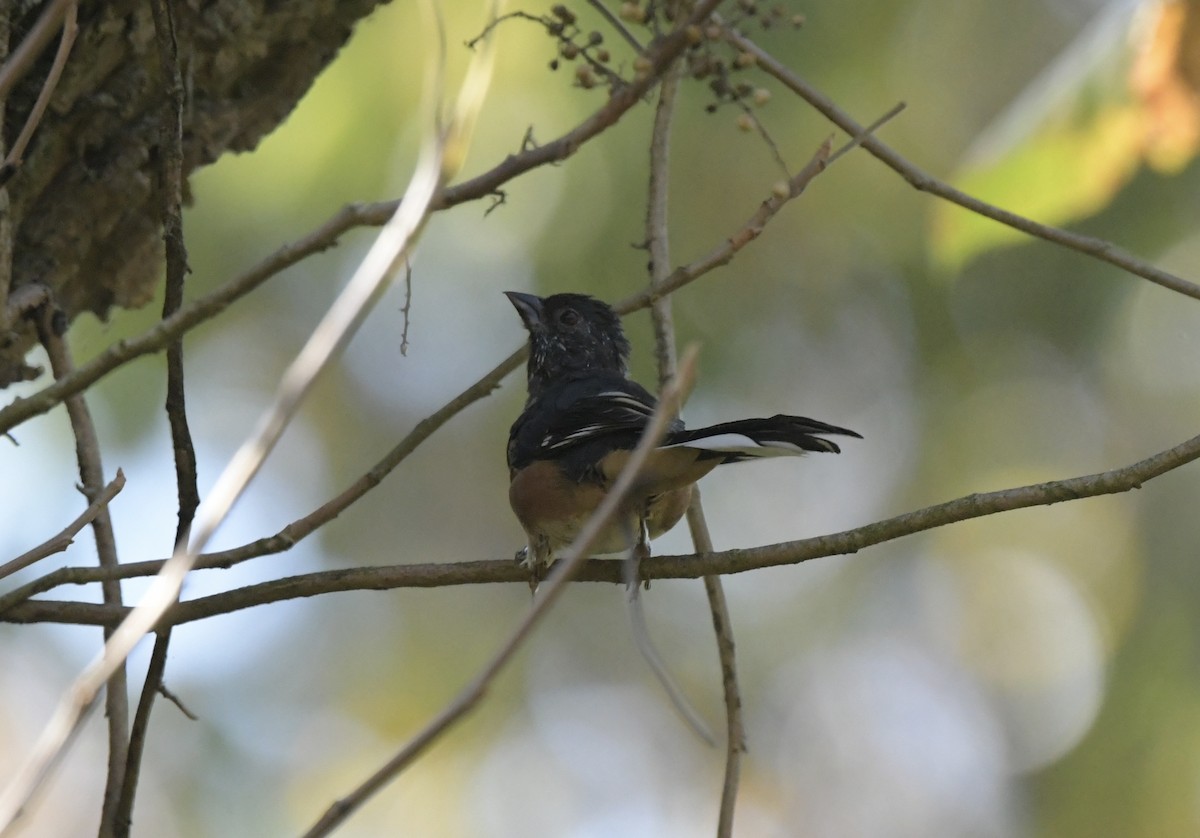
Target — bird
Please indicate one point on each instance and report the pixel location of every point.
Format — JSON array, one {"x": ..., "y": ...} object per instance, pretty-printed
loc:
[{"x": 584, "y": 415}]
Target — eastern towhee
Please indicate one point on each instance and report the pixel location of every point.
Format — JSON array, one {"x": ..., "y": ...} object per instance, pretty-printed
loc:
[{"x": 582, "y": 419}]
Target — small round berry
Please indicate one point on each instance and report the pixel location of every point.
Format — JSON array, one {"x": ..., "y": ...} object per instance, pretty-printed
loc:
[{"x": 631, "y": 12}]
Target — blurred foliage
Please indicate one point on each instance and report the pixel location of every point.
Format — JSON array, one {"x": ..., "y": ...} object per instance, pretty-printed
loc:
[
  {"x": 1124, "y": 94},
  {"x": 1034, "y": 673}
]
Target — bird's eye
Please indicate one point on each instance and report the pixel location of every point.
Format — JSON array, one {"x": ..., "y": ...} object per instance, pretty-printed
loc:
[{"x": 568, "y": 317}]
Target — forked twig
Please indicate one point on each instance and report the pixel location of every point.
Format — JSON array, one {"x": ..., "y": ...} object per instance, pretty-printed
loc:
[{"x": 62, "y": 540}]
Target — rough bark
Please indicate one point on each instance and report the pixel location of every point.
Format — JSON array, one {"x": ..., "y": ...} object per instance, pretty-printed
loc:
[{"x": 84, "y": 206}]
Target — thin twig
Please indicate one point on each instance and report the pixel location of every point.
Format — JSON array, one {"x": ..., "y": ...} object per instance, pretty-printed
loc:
[
  {"x": 765, "y": 136},
  {"x": 923, "y": 181},
  {"x": 15, "y": 156},
  {"x": 735, "y": 727},
  {"x": 726, "y": 250},
  {"x": 657, "y": 222},
  {"x": 641, "y": 638},
  {"x": 151, "y": 686},
  {"x": 171, "y": 153},
  {"x": 91, "y": 476},
  {"x": 869, "y": 131},
  {"x": 443, "y": 574},
  {"x": 658, "y": 241},
  {"x": 174, "y": 699},
  {"x": 64, "y": 539},
  {"x": 617, "y": 24},
  {"x": 6, "y": 229},
  {"x": 22, "y": 58},
  {"x": 407, "y": 307},
  {"x": 548, "y": 593},
  {"x": 187, "y": 491}
]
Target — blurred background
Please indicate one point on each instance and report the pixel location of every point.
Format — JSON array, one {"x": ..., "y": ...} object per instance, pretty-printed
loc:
[{"x": 1028, "y": 674}]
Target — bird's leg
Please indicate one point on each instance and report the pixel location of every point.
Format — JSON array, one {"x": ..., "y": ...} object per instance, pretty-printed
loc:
[
  {"x": 639, "y": 549},
  {"x": 535, "y": 558},
  {"x": 642, "y": 548}
]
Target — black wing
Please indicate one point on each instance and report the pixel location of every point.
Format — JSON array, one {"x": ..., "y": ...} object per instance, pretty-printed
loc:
[{"x": 607, "y": 409}]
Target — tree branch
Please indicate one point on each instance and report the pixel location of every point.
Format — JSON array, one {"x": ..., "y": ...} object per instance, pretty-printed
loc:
[
  {"x": 186, "y": 489},
  {"x": 924, "y": 182},
  {"x": 64, "y": 539},
  {"x": 15, "y": 156},
  {"x": 91, "y": 476},
  {"x": 658, "y": 240},
  {"x": 742, "y": 560}
]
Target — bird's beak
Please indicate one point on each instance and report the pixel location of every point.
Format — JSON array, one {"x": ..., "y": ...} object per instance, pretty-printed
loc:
[{"x": 529, "y": 306}]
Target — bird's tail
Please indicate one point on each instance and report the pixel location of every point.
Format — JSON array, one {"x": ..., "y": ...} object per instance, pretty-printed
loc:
[{"x": 779, "y": 436}]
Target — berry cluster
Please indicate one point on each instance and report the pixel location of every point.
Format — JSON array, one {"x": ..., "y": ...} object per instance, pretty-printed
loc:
[
  {"x": 709, "y": 56},
  {"x": 588, "y": 50}
]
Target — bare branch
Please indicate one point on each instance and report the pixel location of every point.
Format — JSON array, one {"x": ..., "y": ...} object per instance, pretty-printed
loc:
[
  {"x": 64, "y": 539},
  {"x": 923, "y": 181},
  {"x": 16, "y": 154},
  {"x": 91, "y": 476},
  {"x": 6, "y": 225},
  {"x": 616, "y": 23},
  {"x": 22, "y": 58},
  {"x": 137, "y": 734},
  {"x": 186, "y": 488},
  {"x": 735, "y": 727},
  {"x": 658, "y": 241},
  {"x": 438, "y": 575}
]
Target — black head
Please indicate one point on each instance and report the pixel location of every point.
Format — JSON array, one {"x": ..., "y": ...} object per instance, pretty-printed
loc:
[{"x": 569, "y": 333}]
